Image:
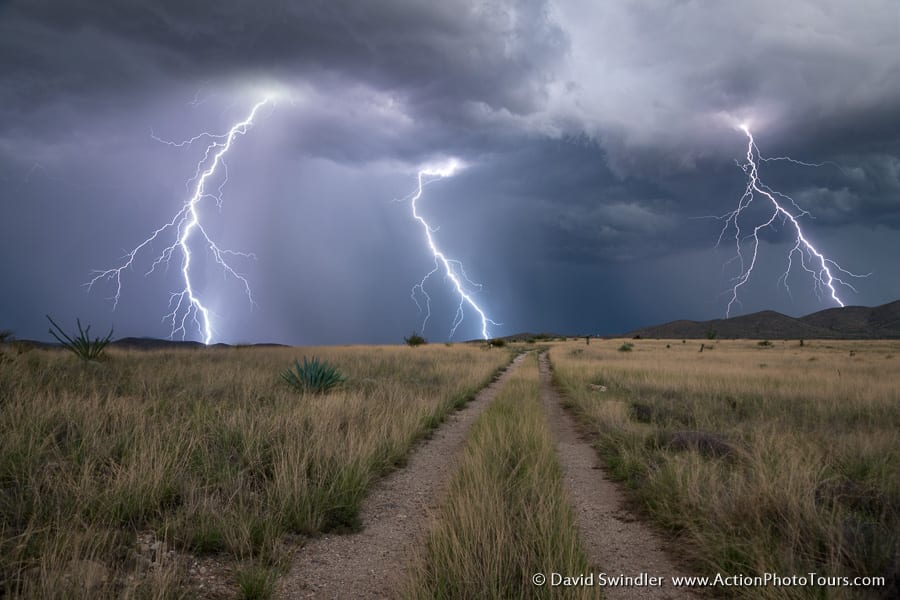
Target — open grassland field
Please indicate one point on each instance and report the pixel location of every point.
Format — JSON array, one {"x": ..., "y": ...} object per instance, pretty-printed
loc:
[
  {"x": 506, "y": 515},
  {"x": 761, "y": 457},
  {"x": 117, "y": 477}
]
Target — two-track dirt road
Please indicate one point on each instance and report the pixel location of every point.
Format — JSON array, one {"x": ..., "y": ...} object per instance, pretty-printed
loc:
[{"x": 372, "y": 563}]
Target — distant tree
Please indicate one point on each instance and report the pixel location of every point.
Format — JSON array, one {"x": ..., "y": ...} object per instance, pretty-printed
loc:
[
  {"x": 712, "y": 334},
  {"x": 415, "y": 340},
  {"x": 6, "y": 335}
]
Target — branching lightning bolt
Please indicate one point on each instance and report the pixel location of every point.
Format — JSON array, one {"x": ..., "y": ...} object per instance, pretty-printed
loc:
[
  {"x": 186, "y": 305},
  {"x": 453, "y": 269},
  {"x": 826, "y": 273}
]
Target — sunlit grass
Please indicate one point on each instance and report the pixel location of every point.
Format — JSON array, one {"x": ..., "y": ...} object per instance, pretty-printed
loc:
[
  {"x": 778, "y": 458},
  {"x": 206, "y": 450}
]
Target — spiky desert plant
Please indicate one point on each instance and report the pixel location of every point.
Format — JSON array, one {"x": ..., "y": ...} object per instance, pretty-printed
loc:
[
  {"x": 82, "y": 345},
  {"x": 313, "y": 376}
]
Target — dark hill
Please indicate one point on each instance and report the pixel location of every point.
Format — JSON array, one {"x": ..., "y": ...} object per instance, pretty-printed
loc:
[{"x": 850, "y": 322}]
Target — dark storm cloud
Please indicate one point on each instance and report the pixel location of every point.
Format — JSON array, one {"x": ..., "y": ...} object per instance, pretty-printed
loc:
[
  {"x": 437, "y": 56},
  {"x": 596, "y": 133}
]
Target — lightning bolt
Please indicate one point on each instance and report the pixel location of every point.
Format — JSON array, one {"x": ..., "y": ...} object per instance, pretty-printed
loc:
[
  {"x": 825, "y": 272},
  {"x": 453, "y": 269},
  {"x": 185, "y": 305}
]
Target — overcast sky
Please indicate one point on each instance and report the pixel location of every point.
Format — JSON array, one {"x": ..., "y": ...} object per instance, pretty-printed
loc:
[{"x": 598, "y": 138}]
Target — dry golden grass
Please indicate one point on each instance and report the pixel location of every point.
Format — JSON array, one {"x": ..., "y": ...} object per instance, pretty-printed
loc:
[
  {"x": 795, "y": 469},
  {"x": 505, "y": 516},
  {"x": 206, "y": 451}
]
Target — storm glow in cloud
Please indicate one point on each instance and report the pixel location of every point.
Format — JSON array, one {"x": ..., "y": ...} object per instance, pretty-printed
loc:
[
  {"x": 452, "y": 269},
  {"x": 186, "y": 306},
  {"x": 825, "y": 272},
  {"x": 595, "y": 126}
]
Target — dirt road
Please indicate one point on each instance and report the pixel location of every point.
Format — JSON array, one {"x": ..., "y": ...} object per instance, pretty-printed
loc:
[
  {"x": 615, "y": 541},
  {"x": 370, "y": 564}
]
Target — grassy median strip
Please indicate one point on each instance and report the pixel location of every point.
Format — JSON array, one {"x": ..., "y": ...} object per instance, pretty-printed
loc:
[
  {"x": 505, "y": 517},
  {"x": 116, "y": 476},
  {"x": 768, "y": 457}
]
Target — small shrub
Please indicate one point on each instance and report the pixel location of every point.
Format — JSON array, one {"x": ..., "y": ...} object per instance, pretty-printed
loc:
[
  {"x": 712, "y": 334},
  {"x": 626, "y": 347},
  {"x": 313, "y": 376},
  {"x": 82, "y": 345},
  {"x": 497, "y": 342},
  {"x": 764, "y": 343},
  {"x": 6, "y": 335},
  {"x": 415, "y": 340}
]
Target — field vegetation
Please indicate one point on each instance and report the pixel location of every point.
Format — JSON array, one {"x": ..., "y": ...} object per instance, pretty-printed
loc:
[
  {"x": 117, "y": 478},
  {"x": 779, "y": 457},
  {"x": 506, "y": 515}
]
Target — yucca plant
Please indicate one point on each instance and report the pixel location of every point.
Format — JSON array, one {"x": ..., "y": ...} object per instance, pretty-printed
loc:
[
  {"x": 313, "y": 376},
  {"x": 82, "y": 345}
]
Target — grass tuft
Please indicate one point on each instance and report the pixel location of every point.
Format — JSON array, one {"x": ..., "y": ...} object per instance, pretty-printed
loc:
[{"x": 256, "y": 583}]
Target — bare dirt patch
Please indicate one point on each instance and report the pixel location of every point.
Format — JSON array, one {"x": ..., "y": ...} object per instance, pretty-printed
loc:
[
  {"x": 371, "y": 563},
  {"x": 615, "y": 541}
]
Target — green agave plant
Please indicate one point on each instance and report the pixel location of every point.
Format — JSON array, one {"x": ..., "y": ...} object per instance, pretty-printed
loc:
[{"x": 313, "y": 376}]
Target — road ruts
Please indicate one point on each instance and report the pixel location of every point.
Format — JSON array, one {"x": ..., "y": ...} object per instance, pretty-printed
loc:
[
  {"x": 371, "y": 564},
  {"x": 614, "y": 540}
]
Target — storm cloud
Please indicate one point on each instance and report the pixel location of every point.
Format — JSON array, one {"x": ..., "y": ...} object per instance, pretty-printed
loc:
[{"x": 601, "y": 140}]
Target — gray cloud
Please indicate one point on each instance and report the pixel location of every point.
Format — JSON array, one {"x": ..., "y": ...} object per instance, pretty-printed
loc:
[
  {"x": 670, "y": 79},
  {"x": 596, "y": 134}
]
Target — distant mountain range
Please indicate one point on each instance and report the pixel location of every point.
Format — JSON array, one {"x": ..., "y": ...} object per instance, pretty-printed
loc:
[{"x": 848, "y": 323}]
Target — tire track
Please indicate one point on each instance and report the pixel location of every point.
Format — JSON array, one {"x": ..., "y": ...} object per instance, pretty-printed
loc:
[
  {"x": 371, "y": 563},
  {"x": 614, "y": 540}
]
